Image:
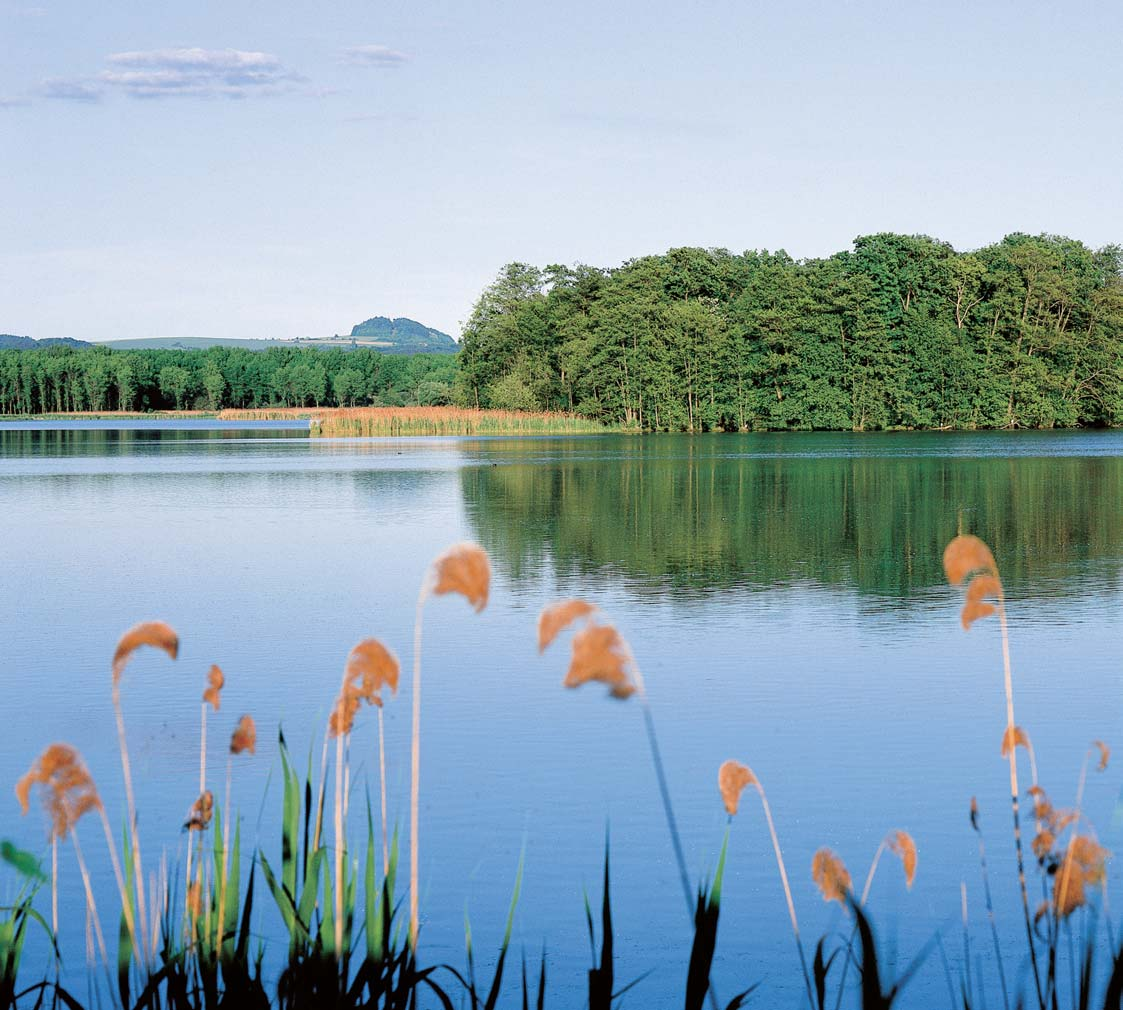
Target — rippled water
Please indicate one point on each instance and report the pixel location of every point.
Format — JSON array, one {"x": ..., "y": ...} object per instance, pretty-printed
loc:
[{"x": 783, "y": 594}]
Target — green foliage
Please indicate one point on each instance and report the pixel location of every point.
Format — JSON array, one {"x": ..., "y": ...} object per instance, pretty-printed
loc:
[
  {"x": 61, "y": 379},
  {"x": 902, "y": 332}
]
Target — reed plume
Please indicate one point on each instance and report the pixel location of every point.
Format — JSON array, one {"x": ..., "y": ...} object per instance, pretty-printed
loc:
[
  {"x": 242, "y": 741},
  {"x": 68, "y": 793},
  {"x": 732, "y": 780},
  {"x": 967, "y": 558},
  {"x": 831, "y": 876},
  {"x": 600, "y": 654},
  {"x": 156, "y": 635},
  {"x": 369, "y": 667},
  {"x": 463, "y": 569}
]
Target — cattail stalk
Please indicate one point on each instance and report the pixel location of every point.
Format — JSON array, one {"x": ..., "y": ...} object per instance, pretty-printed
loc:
[
  {"x": 415, "y": 769},
  {"x": 134, "y": 834},
  {"x": 787, "y": 887},
  {"x": 1013, "y": 759},
  {"x": 382, "y": 794}
]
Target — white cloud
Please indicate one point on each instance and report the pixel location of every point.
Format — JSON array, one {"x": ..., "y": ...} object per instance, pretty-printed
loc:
[
  {"x": 171, "y": 73},
  {"x": 381, "y": 57},
  {"x": 71, "y": 89}
]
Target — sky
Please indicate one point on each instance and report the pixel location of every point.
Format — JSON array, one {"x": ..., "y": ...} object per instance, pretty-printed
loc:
[{"x": 281, "y": 169}]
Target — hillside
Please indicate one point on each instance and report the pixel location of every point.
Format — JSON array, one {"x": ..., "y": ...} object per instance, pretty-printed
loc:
[
  {"x": 10, "y": 342},
  {"x": 406, "y": 336}
]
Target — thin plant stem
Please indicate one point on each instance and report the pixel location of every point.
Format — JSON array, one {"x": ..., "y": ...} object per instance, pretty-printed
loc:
[
  {"x": 203, "y": 751},
  {"x": 54, "y": 886},
  {"x": 991, "y": 919},
  {"x": 225, "y": 849},
  {"x": 787, "y": 889},
  {"x": 854, "y": 932},
  {"x": 382, "y": 794},
  {"x": 142, "y": 912},
  {"x": 339, "y": 844},
  {"x": 320, "y": 794},
  {"x": 91, "y": 905},
  {"x": 126, "y": 905},
  {"x": 1013, "y": 758},
  {"x": 415, "y": 768}
]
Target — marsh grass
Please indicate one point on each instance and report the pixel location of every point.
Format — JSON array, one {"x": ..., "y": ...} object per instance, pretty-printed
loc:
[
  {"x": 396, "y": 422},
  {"x": 352, "y": 939}
]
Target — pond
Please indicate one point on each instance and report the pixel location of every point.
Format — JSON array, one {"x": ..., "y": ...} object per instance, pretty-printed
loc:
[{"x": 783, "y": 594}]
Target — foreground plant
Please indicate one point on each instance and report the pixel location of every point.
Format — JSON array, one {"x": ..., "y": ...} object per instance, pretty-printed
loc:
[
  {"x": 463, "y": 569},
  {"x": 967, "y": 560}
]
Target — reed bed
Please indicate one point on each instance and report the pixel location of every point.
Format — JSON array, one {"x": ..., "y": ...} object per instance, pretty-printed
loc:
[
  {"x": 378, "y": 422},
  {"x": 191, "y": 942}
]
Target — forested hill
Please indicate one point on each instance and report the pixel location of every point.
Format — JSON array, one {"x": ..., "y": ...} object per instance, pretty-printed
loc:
[
  {"x": 10, "y": 342},
  {"x": 407, "y": 335},
  {"x": 901, "y": 331}
]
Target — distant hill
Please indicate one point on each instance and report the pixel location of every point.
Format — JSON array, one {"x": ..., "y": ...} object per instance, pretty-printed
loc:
[
  {"x": 390, "y": 336},
  {"x": 404, "y": 336},
  {"x": 10, "y": 342}
]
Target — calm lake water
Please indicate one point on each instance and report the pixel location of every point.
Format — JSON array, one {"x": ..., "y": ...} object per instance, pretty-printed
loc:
[{"x": 782, "y": 593}]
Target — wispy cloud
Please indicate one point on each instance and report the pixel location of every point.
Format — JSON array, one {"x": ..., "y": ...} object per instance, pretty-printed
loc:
[
  {"x": 175, "y": 73},
  {"x": 380, "y": 57},
  {"x": 12, "y": 102},
  {"x": 67, "y": 89}
]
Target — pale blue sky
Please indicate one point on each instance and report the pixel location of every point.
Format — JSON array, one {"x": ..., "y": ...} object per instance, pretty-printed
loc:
[{"x": 273, "y": 169}]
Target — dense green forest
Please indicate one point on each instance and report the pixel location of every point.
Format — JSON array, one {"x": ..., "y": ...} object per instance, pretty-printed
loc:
[
  {"x": 900, "y": 332},
  {"x": 57, "y": 379}
]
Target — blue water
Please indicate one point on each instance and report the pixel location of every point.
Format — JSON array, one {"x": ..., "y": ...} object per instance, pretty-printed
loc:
[{"x": 812, "y": 638}]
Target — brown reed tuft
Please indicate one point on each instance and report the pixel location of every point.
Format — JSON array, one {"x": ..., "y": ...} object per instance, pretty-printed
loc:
[
  {"x": 1015, "y": 736},
  {"x": 216, "y": 681},
  {"x": 974, "y": 813},
  {"x": 201, "y": 812},
  {"x": 831, "y": 876},
  {"x": 601, "y": 654},
  {"x": 156, "y": 634},
  {"x": 1105, "y": 754},
  {"x": 244, "y": 737},
  {"x": 732, "y": 778},
  {"x": 558, "y": 616},
  {"x": 967, "y": 554},
  {"x": 974, "y": 607},
  {"x": 901, "y": 844},
  {"x": 68, "y": 791},
  {"x": 464, "y": 569},
  {"x": 370, "y": 666},
  {"x": 1083, "y": 865}
]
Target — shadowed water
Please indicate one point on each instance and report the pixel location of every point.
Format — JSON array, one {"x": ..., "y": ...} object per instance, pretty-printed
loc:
[{"x": 783, "y": 594}]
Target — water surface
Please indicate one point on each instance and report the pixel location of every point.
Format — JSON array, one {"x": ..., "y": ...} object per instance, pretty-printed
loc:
[{"x": 783, "y": 594}]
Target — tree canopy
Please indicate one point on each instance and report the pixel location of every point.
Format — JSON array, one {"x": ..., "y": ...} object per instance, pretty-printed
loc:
[{"x": 900, "y": 332}]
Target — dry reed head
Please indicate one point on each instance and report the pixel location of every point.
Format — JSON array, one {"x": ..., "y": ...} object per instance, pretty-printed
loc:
[
  {"x": 244, "y": 737},
  {"x": 557, "y": 617},
  {"x": 974, "y": 813},
  {"x": 1015, "y": 736},
  {"x": 831, "y": 875},
  {"x": 68, "y": 791},
  {"x": 732, "y": 778},
  {"x": 601, "y": 654},
  {"x": 1105, "y": 754},
  {"x": 974, "y": 607},
  {"x": 201, "y": 812},
  {"x": 1083, "y": 865},
  {"x": 216, "y": 681},
  {"x": 901, "y": 844},
  {"x": 968, "y": 556},
  {"x": 156, "y": 634},
  {"x": 464, "y": 569},
  {"x": 370, "y": 666}
]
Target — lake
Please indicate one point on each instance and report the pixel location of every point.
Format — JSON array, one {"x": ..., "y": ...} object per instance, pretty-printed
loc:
[{"x": 783, "y": 594}]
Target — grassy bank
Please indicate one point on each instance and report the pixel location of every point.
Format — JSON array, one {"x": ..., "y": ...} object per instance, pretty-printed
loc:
[
  {"x": 191, "y": 938},
  {"x": 370, "y": 422}
]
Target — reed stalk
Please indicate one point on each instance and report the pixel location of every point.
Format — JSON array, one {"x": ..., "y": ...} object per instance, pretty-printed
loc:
[
  {"x": 382, "y": 793},
  {"x": 990, "y": 906},
  {"x": 134, "y": 833},
  {"x": 415, "y": 768}
]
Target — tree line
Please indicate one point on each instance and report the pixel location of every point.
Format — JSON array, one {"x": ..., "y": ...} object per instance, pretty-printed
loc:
[
  {"x": 899, "y": 332},
  {"x": 60, "y": 379}
]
